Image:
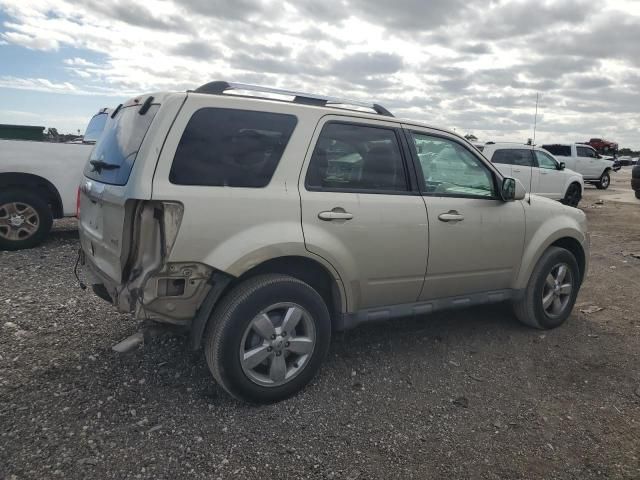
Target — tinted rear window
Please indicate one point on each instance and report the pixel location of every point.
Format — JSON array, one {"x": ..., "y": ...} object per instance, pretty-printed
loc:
[
  {"x": 112, "y": 158},
  {"x": 558, "y": 150},
  {"x": 513, "y": 156},
  {"x": 231, "y": 148}
]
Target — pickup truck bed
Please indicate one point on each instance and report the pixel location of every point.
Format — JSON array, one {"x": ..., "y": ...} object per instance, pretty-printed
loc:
[{"x": 39, "y": 182}]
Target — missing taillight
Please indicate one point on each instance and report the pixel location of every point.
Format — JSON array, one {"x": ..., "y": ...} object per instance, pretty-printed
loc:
[{"x": 171, "y": 287}]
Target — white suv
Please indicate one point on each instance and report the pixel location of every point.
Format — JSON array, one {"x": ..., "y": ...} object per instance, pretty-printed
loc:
[
  {"x": 585, "y": 160},
  {"x": 265, "y": 224},
  {"x": 538, "y": 171}
]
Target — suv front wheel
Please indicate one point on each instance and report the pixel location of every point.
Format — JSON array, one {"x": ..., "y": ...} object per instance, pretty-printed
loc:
[
  {"x": 604, "y": 181},
  {"x": 551, "y": 291},
  {"x": 267, "y": 338}
]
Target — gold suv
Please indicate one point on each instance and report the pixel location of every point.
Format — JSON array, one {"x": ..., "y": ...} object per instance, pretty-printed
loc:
[{"x": 264, "y": 220}]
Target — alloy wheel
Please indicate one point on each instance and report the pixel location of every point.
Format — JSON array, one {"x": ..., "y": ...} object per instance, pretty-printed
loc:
[
  {"x": 557, "y": 289},
  {"x": 18, "y": 221},
  {"x": 277, "y": 344}
]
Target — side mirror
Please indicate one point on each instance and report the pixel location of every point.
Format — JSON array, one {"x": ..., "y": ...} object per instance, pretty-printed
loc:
[
  {"x": 512, "y": 189},
  {"x": 561, "y": 166}
]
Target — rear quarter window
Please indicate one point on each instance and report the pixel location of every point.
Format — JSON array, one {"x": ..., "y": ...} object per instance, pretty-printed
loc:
[{"x": 231, "y": 148}]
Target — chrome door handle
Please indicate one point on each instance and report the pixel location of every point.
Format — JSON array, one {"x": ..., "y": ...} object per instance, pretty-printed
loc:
[
  {"x": 335, "y": 214},
  {"x": 451, "y": 216},
  {"x": 517, "y": 170}
]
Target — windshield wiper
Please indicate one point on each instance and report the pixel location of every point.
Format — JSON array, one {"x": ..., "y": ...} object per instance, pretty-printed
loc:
[{"x": 99, "y": 165}]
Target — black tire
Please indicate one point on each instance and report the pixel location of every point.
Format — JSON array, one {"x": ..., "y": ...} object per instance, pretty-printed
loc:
[
  {"x": 529, "y": 309},
  {"x": 604, "y": 182},
  {"x": 637, "y": 193},
  {"x": 44, "y": 219},
  {"x": 230, "y": 320},
  {"x": 573, "y": 195}
]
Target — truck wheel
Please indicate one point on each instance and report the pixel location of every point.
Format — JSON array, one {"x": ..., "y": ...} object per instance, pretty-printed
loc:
[
  {"x": 25, "y": 219},
  {"x": 604, "y": 181},
  {"x": 573, "y": 195},
  {"x": 551, "y": 291},
  {"x": 267, "y": 338},
  {"x": 637, "y": 193}
]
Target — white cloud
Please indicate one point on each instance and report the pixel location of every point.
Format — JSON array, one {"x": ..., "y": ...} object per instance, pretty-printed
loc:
[{"x": 453, "y": 63}]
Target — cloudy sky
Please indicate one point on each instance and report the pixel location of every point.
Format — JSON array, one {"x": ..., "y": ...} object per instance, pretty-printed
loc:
[{"x": 473, "y": 66}]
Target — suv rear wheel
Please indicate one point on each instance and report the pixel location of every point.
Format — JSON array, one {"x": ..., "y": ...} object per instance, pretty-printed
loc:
[
  {"x": 551, "y": 291},
  {"x": 25, "y": 219},
  {"x": 604, "y": 181},
  {"x": 267, "y": 338}
]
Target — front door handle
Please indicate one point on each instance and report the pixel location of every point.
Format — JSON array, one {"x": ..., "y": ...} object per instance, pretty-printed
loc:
[
  {"x": 335, "y": 214},
  {"x": 451, "y": 216}
]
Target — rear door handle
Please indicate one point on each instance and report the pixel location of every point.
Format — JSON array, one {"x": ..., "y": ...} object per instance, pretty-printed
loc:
[
  {"x": 335, "y": 214},
  {"x": 451, "y": 216}
]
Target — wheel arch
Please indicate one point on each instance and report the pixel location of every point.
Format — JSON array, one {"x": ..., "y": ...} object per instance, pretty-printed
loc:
[
  {"x": 311, "y": 271},
  {"x": 42, "y": 186},
  {"x": 575, "y": 247},
  {"x": 307, "y": 270},
  {"x": 567, "y": 238}
]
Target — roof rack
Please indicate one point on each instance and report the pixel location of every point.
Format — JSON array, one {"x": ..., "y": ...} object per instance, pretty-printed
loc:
[{"x": 219, "y": 87}]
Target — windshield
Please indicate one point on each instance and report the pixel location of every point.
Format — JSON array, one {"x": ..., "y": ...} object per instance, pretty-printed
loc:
[
  {"x": 95, "y": 127},
  {"x": 115, "y": 152}
]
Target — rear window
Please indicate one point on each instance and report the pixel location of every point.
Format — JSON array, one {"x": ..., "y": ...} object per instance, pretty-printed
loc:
[
  {"x": 223, "y": 147},
  {"x": 112, "y": 158},
  {"x": 558, "y": 150},
  {"x": 513, "y": 156}
]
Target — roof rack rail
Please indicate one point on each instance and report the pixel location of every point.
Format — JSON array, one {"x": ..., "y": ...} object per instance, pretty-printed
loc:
[{"x": 219, "y": 87}]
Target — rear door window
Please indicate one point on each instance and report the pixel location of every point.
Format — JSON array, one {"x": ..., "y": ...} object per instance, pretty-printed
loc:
[
  {"x": 112, "y": 158},
  {"x": 513, "y": 156},
  {"x": 558, "y": 150},
  {"x": 349, "y": 157},
  {"x": 223, "y": 147}
]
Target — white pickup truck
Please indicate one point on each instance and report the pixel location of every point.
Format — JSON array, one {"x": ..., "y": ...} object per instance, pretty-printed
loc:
[
  {"x": 39, "y": 182},
  {"x": 585, "y": 160}
]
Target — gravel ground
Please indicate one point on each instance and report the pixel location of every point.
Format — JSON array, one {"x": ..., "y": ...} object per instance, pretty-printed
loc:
[{"x": 469, "y": 394}]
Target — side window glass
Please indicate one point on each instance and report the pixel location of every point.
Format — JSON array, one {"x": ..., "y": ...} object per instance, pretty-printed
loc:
[
  {"x": 231, "y": 148},
  {"x": 449, "y": 169},
  {"x": 502, "y": 156},
  {"x": 356, "y": 158},
  {"x": 559, "y": 150},
  {"x": 585, "y": 152},
  {"x": 545, "y": 161},
  {"x": 513, "y": 156}
]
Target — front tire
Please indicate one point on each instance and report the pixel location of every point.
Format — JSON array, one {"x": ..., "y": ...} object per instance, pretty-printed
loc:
[
  {"x": 573, "y": 195},
  {"x": 604, "y": 182},
  {"x": 551, "y": 292},
  {"x": 637, "y": 193},
  {"x": 25, "y": 219},
  {"x": 267, "y": 338}
]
